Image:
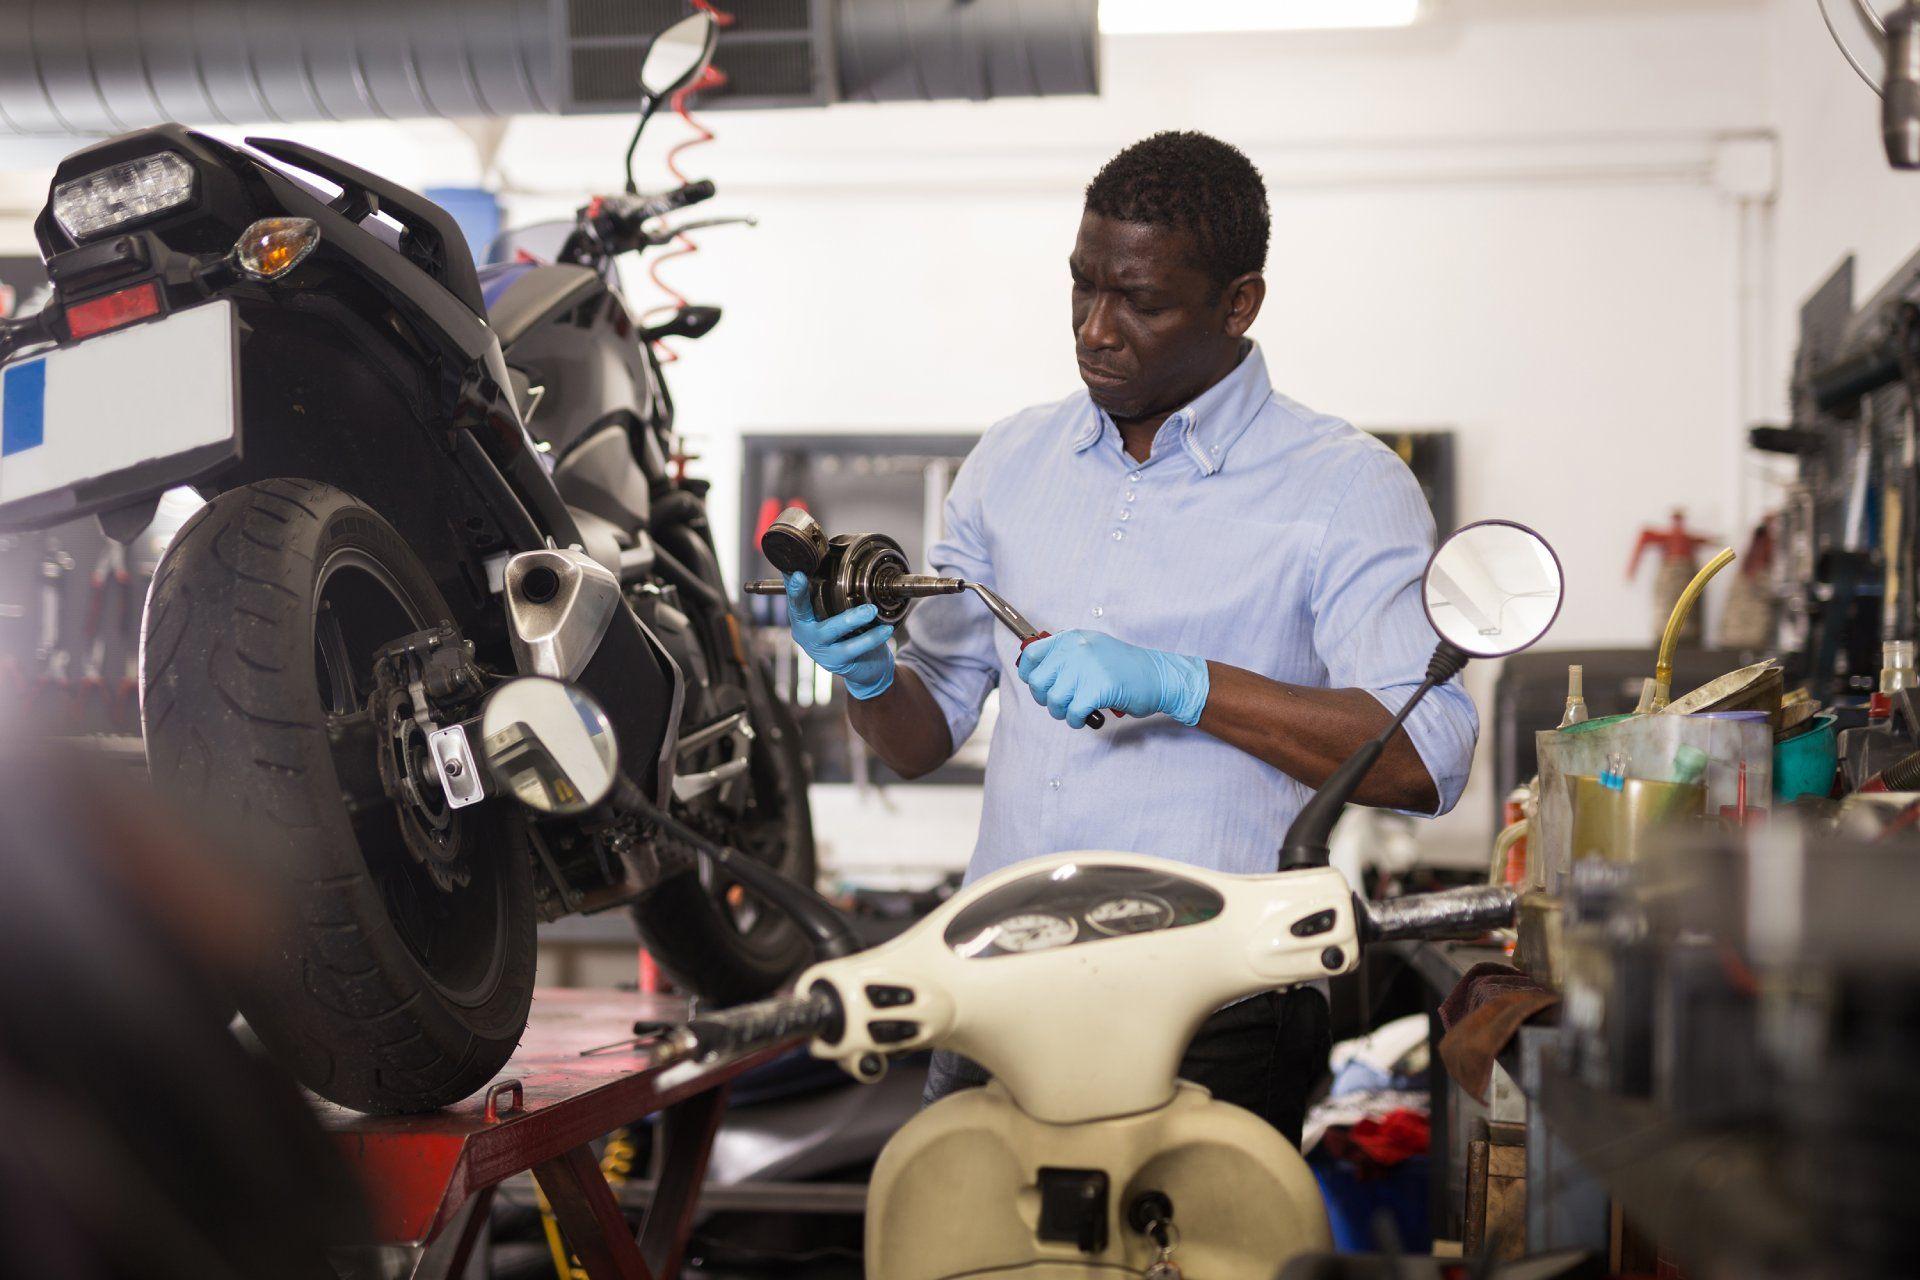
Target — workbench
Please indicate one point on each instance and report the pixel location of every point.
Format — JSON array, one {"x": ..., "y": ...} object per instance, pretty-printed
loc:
[
  {"x": 1597, "y": 1161},
  {"x": 430, "y": 1179}
]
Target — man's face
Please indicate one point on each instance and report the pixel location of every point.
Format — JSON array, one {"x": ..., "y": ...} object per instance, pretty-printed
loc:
[{"x": 1151, "y": 329}]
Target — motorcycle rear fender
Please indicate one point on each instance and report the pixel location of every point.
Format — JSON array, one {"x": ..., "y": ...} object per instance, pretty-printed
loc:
[{"x": 447, "y": 339}]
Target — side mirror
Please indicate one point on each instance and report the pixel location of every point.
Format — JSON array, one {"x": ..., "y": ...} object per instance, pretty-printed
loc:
[
  {"x": 549, "y": 745},
  {"x": 689, "y": 321},
  {"x": 678, "y": 55},
  {"x": 1493, "y": 588}
]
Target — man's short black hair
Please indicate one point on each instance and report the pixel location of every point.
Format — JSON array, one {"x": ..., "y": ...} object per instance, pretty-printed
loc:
[{"x": 1197, "y": 183}]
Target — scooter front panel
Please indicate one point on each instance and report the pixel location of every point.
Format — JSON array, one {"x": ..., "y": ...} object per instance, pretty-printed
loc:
[
  {"x": 1041, "y": 1007},
  {"x": 956, "y": 1193}
]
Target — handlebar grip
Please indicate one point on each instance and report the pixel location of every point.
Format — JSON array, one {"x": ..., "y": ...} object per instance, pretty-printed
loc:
[
  {"x": 1451, "y": 913},
  {"x": 694, "y": 193},
  {"x": 679, "y": 198},
  {"x": 747, "y": 1027}
]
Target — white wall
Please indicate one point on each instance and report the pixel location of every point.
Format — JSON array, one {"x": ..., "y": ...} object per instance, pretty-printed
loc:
[{"x": 1506, "y": 224}]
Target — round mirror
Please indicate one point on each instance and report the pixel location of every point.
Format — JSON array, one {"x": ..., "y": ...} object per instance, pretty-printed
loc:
[
  {"x": 1493, "y": 588},
  {"x": 549, "y": 744},
  {"x": 678, "y": 54}
]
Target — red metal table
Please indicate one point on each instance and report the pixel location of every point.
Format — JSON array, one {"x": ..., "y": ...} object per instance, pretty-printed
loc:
[{"x": 430, "y": 1178}]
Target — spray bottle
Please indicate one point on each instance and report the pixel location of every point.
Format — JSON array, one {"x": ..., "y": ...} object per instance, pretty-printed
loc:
[{"x": 1676, "y": 544}]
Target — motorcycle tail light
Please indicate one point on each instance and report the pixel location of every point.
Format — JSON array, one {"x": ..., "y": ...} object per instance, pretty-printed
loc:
[
  {"x": 110, "y": 311},
  {"x": 271, "y": 247},
  {"x": 92, "y": 205}
]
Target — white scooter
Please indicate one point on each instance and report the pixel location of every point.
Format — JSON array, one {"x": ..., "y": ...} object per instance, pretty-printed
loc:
[{"x": 1078, "y": 980}]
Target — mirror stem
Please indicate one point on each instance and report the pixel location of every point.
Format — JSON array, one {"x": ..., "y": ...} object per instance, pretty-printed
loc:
[
  {"x": 647, "y": 109},
  {"x": 1306, "y": 842}
]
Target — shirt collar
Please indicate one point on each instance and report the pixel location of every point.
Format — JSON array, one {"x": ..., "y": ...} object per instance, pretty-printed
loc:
[{"x": 1207, "y": 426}]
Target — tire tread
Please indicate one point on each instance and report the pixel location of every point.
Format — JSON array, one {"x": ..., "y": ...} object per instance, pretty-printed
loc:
[{"x": 234, "y": 726}]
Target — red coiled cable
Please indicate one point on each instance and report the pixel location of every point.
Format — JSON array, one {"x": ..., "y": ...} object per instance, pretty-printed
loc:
[{"x": 711, "y": 78}]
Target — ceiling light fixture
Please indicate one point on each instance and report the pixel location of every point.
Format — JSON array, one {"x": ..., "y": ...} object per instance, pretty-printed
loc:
[{"x": 1184, "y": 17}]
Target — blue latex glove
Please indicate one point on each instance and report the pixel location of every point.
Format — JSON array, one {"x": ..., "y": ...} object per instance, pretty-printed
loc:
[
  {"x": 840, "y": 645},
  {"x": 1078, "y": 672}
]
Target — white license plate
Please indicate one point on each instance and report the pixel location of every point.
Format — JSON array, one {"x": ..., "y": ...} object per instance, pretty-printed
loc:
[{"x": 119, "y": 416}]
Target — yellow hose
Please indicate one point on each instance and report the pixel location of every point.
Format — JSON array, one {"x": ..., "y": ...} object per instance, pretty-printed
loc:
[
  {"x": 1670, "y": 639},
  {"x": 1503, "y": 843}
]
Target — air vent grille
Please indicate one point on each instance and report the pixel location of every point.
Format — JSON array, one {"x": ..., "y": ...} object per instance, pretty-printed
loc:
[
  {"x": 766, "y": 69},
  {"x": 774, "y": 52},
  {"x": 635, "y": 19}
]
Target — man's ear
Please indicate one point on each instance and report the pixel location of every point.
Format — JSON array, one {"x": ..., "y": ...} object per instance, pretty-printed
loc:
[{"x": 1244, "y": 294}]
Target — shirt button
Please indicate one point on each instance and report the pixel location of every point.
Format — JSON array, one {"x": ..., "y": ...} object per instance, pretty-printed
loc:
[
  {"x": 1126, "y": 515},
  {"x": 1134, "y": 478},
  {"x": 1098, "y": 611},
  {"x": 1053, "y": 784},
  {"x": 1118, "y": 534},
  {"x": 1131, "y": 495}
]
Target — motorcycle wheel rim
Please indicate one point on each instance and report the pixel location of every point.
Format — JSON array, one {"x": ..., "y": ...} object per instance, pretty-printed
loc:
[{"x": 456, "y": 936}]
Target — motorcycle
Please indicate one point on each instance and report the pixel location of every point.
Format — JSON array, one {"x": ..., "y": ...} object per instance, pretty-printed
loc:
[
  {"x": 1078, "y": 979},
  {"x": 423, "y": 480}
]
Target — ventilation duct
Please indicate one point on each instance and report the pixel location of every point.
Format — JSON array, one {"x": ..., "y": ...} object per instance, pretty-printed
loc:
[{"x": 104, "y": 66}]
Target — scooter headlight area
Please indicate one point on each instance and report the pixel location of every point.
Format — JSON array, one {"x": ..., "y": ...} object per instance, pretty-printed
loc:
[{"x": 122, "y": 195}]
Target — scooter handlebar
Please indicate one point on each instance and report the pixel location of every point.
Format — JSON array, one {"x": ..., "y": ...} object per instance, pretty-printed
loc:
[
  {"x": 1450, "y": 913},
  {"x": 747, "y": 1027}
]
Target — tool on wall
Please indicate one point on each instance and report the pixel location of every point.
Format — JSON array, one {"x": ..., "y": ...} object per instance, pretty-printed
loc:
[
  {"x": 1747, "y": 616},
  {"x": 1676, "y": 544},
  {"x": 847, "y": 570}
]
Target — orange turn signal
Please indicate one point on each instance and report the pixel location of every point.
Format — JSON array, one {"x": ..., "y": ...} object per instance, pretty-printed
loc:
[{"x": 272, "y": 247}]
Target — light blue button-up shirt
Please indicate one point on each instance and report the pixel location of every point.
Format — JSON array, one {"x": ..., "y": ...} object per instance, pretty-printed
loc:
[{"x": 1258, "y": 534}]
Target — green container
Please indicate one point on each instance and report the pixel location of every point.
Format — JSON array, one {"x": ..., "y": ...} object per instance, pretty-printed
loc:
[
  {"x": 1588, "y": 726},
  {"x": 1804, "y": 764}
]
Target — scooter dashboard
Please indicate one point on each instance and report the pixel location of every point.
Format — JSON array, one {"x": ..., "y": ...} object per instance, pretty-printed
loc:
[{"x": 1073, "y": 904}]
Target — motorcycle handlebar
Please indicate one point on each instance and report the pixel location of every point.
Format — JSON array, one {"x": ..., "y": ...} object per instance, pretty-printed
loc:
[
  {"x": 611, "y": 225},
  {"x": 1452, "y": 912},
  {"x": 679, "y": 198}
]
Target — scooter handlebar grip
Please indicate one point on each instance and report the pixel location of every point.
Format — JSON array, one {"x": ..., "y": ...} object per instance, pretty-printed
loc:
[
  {"x": 1451, "y": 913},
  {"x": 745, "y": 1028}
]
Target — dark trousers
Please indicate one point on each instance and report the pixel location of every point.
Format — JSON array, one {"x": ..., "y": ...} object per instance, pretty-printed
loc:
[{"x": 1264, "y": 1054}]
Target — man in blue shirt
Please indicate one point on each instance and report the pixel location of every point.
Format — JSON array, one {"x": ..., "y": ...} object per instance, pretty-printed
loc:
[{"x": 1238, "y": 574}]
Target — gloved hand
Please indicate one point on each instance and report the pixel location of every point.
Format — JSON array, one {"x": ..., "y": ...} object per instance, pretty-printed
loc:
[
  {"x": 863, "y": 660},
  {"x": 1078, "y": 672}
]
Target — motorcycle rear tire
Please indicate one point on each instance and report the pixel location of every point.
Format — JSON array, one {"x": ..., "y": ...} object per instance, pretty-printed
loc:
[
  {"x": 693, "y": 933},
  {"x": 235, "y": 692}
]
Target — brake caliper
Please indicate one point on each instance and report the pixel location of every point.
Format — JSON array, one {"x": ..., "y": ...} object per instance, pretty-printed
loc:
[{"x": 422, "y": 682}]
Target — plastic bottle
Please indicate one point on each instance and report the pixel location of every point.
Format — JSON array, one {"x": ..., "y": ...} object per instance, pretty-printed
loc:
[{"x": 1576, "y": 699}]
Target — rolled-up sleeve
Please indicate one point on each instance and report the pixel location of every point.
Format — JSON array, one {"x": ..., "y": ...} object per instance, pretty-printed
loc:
[
  {"x": 1369, "y": 627},
  {"x": 950, "y": 638}
]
